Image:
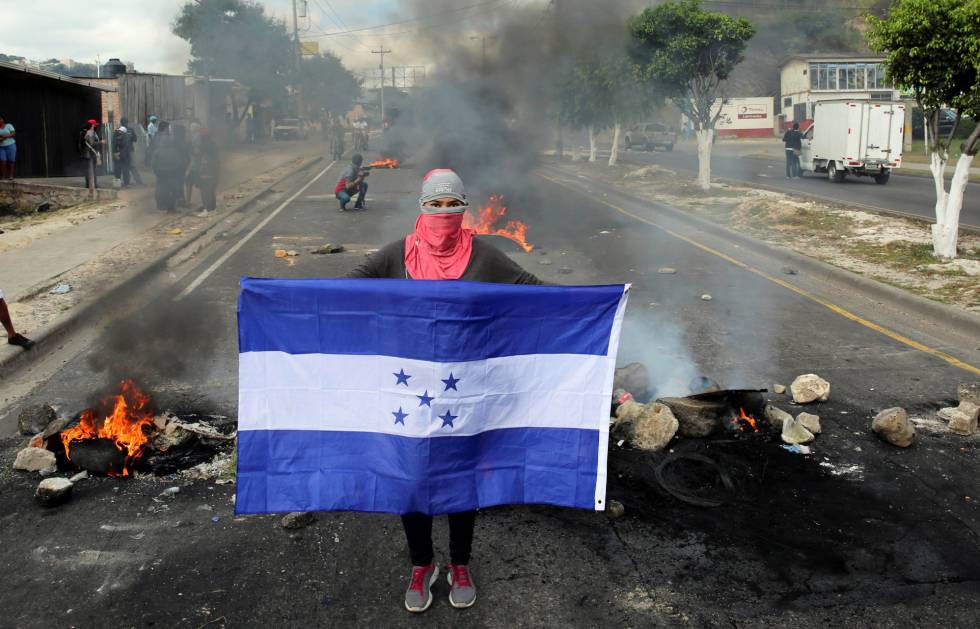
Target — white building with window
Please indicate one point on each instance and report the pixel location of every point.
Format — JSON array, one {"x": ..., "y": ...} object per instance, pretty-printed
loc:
[{"x": 806, "y": 79}]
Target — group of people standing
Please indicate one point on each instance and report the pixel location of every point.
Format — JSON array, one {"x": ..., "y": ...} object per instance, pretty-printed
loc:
[{"x": 182, "y": 158}]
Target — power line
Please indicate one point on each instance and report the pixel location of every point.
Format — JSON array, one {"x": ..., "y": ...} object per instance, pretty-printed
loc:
[
  {"x": 409, "y": 21},
  {"x": 334, "y": 17}
]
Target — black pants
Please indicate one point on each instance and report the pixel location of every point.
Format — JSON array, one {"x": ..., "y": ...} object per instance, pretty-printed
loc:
[
  {"x": 208, "y": 187},
  {"x": 418, "y": 531},
  {"x": 91, "y": 174},
  {"x": 169, "y": 185},
  {"x": 792, "y": 164},
  {"x": 125, "y": 170}
]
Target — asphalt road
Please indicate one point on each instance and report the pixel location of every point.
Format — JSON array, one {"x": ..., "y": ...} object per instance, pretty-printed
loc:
[
  {"x": 859, "y": 534},
  {"x": 909, "y": 194}
]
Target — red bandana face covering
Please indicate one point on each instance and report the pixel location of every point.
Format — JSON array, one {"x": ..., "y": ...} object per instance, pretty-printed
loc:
[{"x": 439, "y": 249}]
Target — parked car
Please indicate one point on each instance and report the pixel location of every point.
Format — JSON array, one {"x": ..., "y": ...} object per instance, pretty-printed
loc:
[
  {"x": 650, "y": 135},
  {"x": 290, "y": 129}
]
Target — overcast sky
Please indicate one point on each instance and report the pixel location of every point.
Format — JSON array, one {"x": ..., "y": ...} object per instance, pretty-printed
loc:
[{"x": 139, "y": 30}]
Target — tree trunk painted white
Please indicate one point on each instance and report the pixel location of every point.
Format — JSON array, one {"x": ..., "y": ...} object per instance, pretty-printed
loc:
[
  {"x": 937, "y": 165},
  {"x": 614, "y": 153},
  {"x": 593, "y": 149},
  {"x": 946, "y": 230},
  {"x": 704, "y": 158}
]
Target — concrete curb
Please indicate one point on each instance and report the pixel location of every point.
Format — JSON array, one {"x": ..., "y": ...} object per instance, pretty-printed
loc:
[
  {"x": 62, "y": 326},
  {"x": 965, "y": 322}
]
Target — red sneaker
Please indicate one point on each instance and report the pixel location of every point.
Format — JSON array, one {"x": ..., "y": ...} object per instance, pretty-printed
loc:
[
  {"x": 418, "y": 596},
  {"x": 462, "y": 592}
]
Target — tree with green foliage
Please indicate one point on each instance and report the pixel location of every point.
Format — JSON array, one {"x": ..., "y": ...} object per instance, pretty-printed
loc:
[
  {"x": 687, "y": 53},
  {"x": 585, "y": 95},
  {"x": 602, "y": 90},
  {"x": 327, "y": 85},
  {"x": 235, "y": 39},
  {"x": 933, "y": 49}
]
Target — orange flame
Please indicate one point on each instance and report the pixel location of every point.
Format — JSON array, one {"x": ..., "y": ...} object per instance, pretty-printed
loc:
[
  {"x": 126, "y": 414},
  {"x": 745, "y": 421},
  {"x": 485, "y": 221},
  {"x": 386, "y": 162}
]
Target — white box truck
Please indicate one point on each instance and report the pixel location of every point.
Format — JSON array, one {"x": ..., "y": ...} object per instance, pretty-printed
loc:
[{"x": 854, "y": 137}]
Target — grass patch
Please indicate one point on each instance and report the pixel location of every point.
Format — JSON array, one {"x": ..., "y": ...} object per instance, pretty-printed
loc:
[{"x": 899, "y": 254}]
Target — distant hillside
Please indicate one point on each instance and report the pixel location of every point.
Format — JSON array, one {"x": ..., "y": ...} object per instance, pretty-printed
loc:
[
  {"x": 56, "y": 66},
  {"x": 786, "y": 27}
]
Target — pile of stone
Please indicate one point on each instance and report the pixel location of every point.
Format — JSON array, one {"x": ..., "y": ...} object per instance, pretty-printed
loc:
[
  {"x": 963, "y": 418},
  {"x": 802, "y": 429},
  {"x": 651, "y": 426}
]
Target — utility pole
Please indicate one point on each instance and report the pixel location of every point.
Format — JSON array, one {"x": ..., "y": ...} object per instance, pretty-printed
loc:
[
  {"x": 559, "y": 42},
  {"x": 296, "y": 56},
  {"x": 483, "y": 39},
  {"x": 381, "y": 51}
]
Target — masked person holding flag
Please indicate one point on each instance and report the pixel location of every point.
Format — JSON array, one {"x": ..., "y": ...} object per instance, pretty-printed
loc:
[{"x": 440, "y": 248}]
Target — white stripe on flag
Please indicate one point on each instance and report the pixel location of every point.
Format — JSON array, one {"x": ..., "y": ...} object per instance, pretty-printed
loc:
[
  {"x": 607, "y": 389},
  {"x": 280, "y": 391}
]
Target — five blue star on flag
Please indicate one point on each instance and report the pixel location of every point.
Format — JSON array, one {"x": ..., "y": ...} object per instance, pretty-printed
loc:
[{"x": 425, "y": 399}]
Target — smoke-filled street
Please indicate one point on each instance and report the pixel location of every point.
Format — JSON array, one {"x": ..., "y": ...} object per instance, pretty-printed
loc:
[{"x": 850, "y": 531}]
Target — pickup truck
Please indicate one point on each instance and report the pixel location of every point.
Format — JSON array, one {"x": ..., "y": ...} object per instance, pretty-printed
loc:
[
  {"x": 650, "y": 135},
  {"x": 290, "y": 128}
]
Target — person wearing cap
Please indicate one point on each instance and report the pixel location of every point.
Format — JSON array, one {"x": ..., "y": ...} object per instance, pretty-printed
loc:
[
  {"x": 151, "y": 134},
  {"x": 90, "y": 148},
  {"x": 204, "y": 171},
  {"x": 440, "y": 248},
  {"x": 123, "y": 146},
  {"x": 352, "y": 182}
]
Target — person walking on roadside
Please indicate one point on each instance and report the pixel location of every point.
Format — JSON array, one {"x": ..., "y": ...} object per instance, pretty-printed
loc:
[
  {"x": 352, "y": 182},
  {"x": 90, "y": 148},
  {"x": 440, "y": 248},
  {"x": 249, "y": 129},
  {"x": 793, "y": 141},
  {"x": 205, "y": 167},
  {"x": 336, "y": 132},
  {"x": 123, "y": 147},
  {"x": 151, "y": 134},
  {"x": 13, "y": 337},
  {"x": 183, "y": 147},
  {"x": 166, "y": 166},
  {"x": 8, "y": 149}
]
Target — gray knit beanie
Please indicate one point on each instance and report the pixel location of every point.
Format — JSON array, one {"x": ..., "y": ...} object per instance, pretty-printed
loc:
[{"x": 441, "y": 183}]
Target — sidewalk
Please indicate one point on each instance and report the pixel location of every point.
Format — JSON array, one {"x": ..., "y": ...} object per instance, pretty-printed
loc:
[
  {"x": 31, "y": 260},
  {"x": 99, "y": 247}
]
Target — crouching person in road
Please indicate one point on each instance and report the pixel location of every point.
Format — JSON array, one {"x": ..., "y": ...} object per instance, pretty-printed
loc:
[
  {"x": 351, "y": 183},
  {"x": 441, "y": 249}
]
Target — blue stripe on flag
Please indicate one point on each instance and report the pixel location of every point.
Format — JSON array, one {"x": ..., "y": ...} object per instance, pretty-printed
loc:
[
  {"x": 424, "y": 320},
  {"x": 303, "y": 470}
]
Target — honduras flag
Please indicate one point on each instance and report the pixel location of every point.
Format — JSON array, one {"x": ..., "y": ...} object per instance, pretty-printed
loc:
[{"x": 404, "y": 396}]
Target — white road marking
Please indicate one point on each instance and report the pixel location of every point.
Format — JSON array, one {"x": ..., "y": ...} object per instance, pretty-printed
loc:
[{"x": 238, "y": 245}]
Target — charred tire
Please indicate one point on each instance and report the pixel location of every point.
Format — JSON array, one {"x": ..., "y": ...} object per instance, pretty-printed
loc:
[
  {"x": 882, "y": 178},
  {"x": 833, "y": 174}
]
